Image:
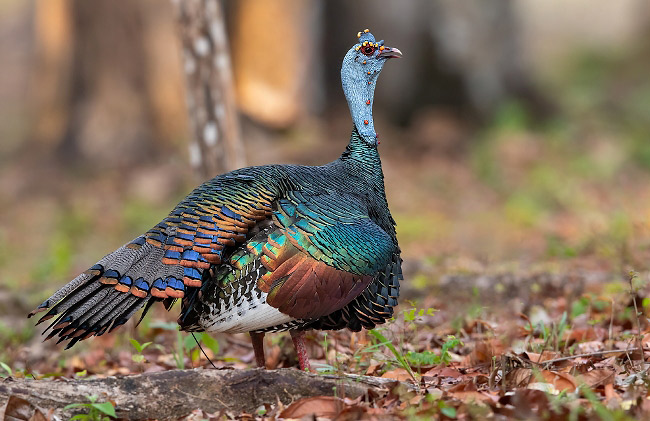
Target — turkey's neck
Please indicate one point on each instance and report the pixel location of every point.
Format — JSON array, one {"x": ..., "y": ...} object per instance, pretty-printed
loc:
[
  {"x": 359, "y": 89},
  {"x": 363, "y": 166},
  {"x": 362, "y": 159},
  {"x": 362, "y": 154}
]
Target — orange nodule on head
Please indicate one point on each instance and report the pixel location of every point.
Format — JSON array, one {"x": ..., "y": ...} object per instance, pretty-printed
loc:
[
  {"x": 365, "y": 121},
  {"x": 368, "y": 102}
]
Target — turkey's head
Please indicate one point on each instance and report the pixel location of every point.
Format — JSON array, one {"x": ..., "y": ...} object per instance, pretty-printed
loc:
[{"x": 359, "y": 72}]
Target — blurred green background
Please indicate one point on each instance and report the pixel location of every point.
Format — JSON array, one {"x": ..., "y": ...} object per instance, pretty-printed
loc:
[{"x": 514, "y": 134}]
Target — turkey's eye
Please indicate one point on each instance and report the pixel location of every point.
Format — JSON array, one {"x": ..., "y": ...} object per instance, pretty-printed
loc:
[{"x": 368, "y": 50}]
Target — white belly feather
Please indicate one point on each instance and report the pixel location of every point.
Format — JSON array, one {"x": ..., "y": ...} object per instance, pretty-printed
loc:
[{"x": 244, "y": 317}]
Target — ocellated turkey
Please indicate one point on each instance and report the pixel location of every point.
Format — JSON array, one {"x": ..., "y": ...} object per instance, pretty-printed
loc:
[{"x": 261, "y": 249}]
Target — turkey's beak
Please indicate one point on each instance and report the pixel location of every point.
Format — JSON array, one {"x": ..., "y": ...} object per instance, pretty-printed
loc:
[{"x": 390, "y": 52}]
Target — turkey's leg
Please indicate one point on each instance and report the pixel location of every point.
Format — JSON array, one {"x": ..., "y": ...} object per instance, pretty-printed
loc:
[
  {"x": 298, "y": 337},
  {"x": 258, "y": 346}
]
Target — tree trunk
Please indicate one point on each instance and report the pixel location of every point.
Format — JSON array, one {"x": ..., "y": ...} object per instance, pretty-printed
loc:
[
  {"x": 278, "y": 59},
  {"x": 107, "y": 84},
  {"x": 216, "y": 146}
]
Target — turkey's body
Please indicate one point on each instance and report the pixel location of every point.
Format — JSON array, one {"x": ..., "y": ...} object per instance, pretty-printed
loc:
[
  {"x": 260, "y": 249},
  {"x": 345, "y": 192}
]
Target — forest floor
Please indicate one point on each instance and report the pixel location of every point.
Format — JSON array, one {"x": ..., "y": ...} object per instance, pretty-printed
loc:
[
  {"x": 526, "y": 258},
  {"x": 530, "y": 308},
  {"x": 503, "y": 346}
]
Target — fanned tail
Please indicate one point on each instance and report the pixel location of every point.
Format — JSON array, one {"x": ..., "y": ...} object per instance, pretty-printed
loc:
[{"x": 108, "y": 294}]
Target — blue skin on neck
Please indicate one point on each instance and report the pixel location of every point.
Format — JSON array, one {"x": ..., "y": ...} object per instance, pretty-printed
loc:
[{"x": 359, "y": 74}]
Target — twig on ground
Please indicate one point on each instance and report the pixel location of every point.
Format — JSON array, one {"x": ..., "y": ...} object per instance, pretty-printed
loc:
[
  {"x": 589, "y": 354},
  {"x": 639, "y": 335},
  {"x": 539, "y": 358}
]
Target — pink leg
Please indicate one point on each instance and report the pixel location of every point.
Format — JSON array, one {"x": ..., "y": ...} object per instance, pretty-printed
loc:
[
  {"x": 298, "y": 337},
  {"x": 258, "y": 347}
]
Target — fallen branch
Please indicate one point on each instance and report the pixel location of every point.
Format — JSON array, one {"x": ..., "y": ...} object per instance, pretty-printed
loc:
[{"x": 173, "y": 394}]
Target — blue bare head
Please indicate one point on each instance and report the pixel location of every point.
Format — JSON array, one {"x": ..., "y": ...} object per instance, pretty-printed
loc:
[{"x": 361, "y": 66}]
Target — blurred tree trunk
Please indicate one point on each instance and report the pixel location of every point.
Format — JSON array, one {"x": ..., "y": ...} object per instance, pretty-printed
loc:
[
  {"x": 216, "y": 146},
  {"x": 277, "y": 58},
  {"x": 107, "y": 80}
]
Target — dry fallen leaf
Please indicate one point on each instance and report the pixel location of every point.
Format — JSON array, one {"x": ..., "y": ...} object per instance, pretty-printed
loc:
[
  {"x": 539, "y": 358},
  {"x": 316, "y": 406},
  {"x": 611, "y": 396},
  {"x": 20, "y": 409},
  {"x": 372, "y": 369},
  {"x": 522, "y": 377},
  {"x": 470, "y": 396},
  {"x": 585, "y": 335},
  {"x": 484, "y": 351},
  {"x": 398, "y": 374},
  {"x": 597, "y": 377},
  {"x": 443, "y": 372},
  {"x": 526, "y": 404}
]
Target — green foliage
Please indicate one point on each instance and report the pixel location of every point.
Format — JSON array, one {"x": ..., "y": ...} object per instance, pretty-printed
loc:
[
  {"x": 6, "y": 368},
  {"x": 139, "y": 358},
  {"x": 446, "y": 410},
  {"x": 428, "y": 358},
  {"x": 579, "y": 307},
  {"x": 636, "y": 282},
  {"x": 103, "y": 411},
  {"x": 601, "y": 410},
  {"x": 12, "y": 335},
  {"x": 187, "y": 345},
  {"x": 398, "y": 356},
  {"x": 641, "y": 153},
  {"x": 552, "y": 335},
  {"x": 328, "y": 368},
  {"x": 208, "y": 341},
  {"x": 557, "y": 247},
  {"x": 138, "y": 346},
  {"x": 411, "y": 314}
]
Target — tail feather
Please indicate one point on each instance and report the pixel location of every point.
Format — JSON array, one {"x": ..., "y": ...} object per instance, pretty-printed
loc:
[
  {"x": 80, "y": 329},
  {"x": 106, "y": 322},
  {"x": 109, "y": 304},
  {"x": 62, "y": 304},
  {"x": 71, "y": 302},
  {"x": 135, "y": 304},
  {"x": 87, "y": 308},
  {"x": 149, "y": 262},
  {"x": 107, "y": 295},
  {"x": 118, "y": 260},
  {"x": 64, "y": 291}
]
